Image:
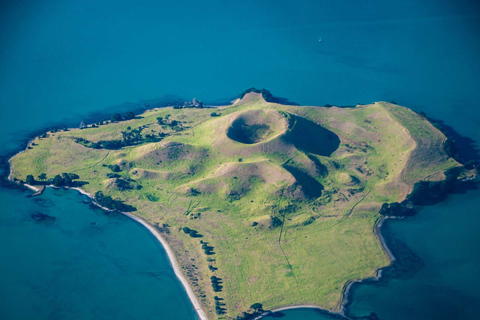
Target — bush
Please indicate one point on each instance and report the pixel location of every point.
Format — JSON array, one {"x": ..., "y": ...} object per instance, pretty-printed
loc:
[
  {"x": 116, "y": 117},
  {"x": 115, "y": 167},
  {"x": 30, "y": 179},
  {"x": 275, "y": 222},
  {"x": 57, "y": 181},
  {"x": 129, "y": 115},
  {"x": 186, "y": 230}
]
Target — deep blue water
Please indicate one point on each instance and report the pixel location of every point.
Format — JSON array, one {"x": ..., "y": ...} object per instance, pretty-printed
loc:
[{"x": 61, "y": 61}]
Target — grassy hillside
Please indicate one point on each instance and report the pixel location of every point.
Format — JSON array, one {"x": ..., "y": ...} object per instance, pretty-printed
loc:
[{"x": 282, "y": 199}]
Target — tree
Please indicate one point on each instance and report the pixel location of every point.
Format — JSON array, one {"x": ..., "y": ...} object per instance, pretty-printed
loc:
[
  {"x": 67, "y": 180},
  {"x": 116, "y": 117},
  {"x": 257, "y": 307},
  {"x": 275, "y": 222},
  {"x": 74, "y": 176},
  {"x": 186, "y": 230},
  {"x": 98, "y": 196},
  {"x": 159, "y": 120},
  {"x": 115, "y": 168},
  {"x": 57, "y": 181},
  {"x": 194, "y": 234},
  {"x": 42, "y": 176},
  {"x": 129, "y": 115},
  {"x": 30, "y": 179}
]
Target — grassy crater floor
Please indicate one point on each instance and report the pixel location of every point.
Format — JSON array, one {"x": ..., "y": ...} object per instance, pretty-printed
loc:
[{"x": 283, "y": 199}]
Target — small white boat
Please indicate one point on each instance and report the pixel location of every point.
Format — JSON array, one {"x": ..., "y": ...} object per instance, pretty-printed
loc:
[{"x": 320, "y": 40}]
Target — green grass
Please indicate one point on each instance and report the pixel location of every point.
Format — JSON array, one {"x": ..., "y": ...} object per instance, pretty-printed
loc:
[{"x": 324, "y": 172}]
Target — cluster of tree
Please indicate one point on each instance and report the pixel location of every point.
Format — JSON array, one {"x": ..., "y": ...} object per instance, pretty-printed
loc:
[
  {"x": 216, "y": 283},
  {"x": 192, "y": 233},
  {"x": 275, "y": 222},
  {"x": 66, "y": 179},
  {"x": 109, "y": 144},
  {"x": 267, "y": 95},
  {"x": 63, "y": 180},
  {"x": 173, "y": 124},
  {"x": 127, "y": 140},
  {"x": 256, "y": 309},
  {"x": 219, "y": 306},
  {"x": 126, "y": 184},
  {"x": 31, "y": 180},
  {"x": 112, "y": 204},
  {"x": 132, "y": 136},
  {"x": 190, "y": 104},
  {"x": 192, "y": 192},
  {"x": 114, "y": 167},
  {"x": 116, "y": 117},
  {"x": 164, "y": 228},
  {"x": 208, "y": 250}
]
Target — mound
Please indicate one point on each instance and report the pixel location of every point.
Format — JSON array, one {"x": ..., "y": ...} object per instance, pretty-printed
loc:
[
  {"x": 312, "y": 138},
  {"x": 347, "y": 179},
  {"x": 138, "y": 173},
  {"x": 256, "y": 126},
  {"x": 171, "y": 152},
  {"x": 239, "y": 178}
]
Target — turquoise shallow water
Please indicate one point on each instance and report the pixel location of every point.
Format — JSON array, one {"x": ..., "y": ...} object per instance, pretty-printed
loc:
[{"x": 62, "y": 61}]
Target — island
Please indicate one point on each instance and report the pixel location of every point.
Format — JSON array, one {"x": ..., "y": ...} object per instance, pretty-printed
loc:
[{"x": 259, "y": 205}]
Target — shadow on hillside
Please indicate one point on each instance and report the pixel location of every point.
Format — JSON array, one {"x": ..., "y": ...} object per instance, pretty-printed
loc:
[
  {"x": 466, "y": 148},
  {"x": 312, "y": 138},
  {"x": 311, "y": 187}
]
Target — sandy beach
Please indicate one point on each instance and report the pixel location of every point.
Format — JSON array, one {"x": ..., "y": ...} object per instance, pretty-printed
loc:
[{"x": 171, "y": 256}]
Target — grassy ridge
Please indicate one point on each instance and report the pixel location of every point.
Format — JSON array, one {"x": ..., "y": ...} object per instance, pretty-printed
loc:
[{"x": 285, "y": 196}]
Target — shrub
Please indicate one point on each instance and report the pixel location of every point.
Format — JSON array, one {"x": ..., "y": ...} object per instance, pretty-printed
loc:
[
  {"x": 116, "y": 117},
  {"x": 115, "y": 167},
  {"x": 30, "y": 179},
  {"x": 129, "y": 115}
]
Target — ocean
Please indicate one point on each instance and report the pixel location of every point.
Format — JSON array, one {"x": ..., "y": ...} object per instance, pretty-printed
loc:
[{"x": 62, "y": 62}]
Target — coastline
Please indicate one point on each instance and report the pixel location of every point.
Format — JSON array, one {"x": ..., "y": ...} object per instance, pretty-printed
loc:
[
  {"x": 341, "y": 314},
  {"x": 337, "y": 314},
  {"x": 342, "y": 311},
  {"x": 171, "y": 256}
]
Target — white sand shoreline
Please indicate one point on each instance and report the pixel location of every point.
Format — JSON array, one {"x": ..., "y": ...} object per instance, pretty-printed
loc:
[{"x": 171, "y": 256}]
